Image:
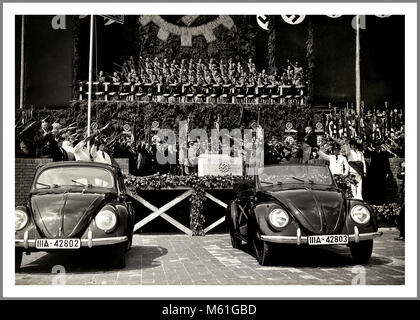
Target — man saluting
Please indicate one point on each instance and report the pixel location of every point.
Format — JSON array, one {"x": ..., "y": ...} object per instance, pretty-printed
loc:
[
  {"x": 81, "y": 152},
  {"x": 99, "y": 154}
]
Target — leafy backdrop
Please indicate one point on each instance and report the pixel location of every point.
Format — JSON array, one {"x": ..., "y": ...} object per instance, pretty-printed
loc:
[{"x": 272, "y": 117}]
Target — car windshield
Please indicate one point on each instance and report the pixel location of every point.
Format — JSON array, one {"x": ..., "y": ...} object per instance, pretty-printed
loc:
[
  {"x": 283, "y": 174},
  {"x": 86, "y": 177}
]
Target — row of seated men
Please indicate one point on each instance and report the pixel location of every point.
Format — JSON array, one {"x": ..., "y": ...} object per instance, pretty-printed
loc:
[{"x": 192, "y": 92}]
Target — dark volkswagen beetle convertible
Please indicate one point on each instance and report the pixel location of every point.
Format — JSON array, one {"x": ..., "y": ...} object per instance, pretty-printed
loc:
[
  {"x": 74, "y": 205},
  {"x": 302, "y": 205}
]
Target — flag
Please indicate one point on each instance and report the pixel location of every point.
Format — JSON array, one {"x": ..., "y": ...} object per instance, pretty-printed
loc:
[
  {"x": 108, "y": 22},
  {"x": 110, "y": 19},
  {"x": 132, "y": 133}
]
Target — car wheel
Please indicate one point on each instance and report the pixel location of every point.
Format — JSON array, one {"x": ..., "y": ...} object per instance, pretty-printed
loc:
[
  {"x": 236, "y": 243},
  {"x": 118, "y": 257},
  {"x": 18, "y": 259},
  {"x": 261, "y": 249},
  {"x": 361, "y": 251},
  {"x": 130, "y": 242}
]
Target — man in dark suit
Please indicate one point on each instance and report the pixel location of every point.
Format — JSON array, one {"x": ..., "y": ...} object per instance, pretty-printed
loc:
[
  {"x": 309, "y": 142},
  {"x": 59, "y": 154},
  {"x": 44, "y": 141}
]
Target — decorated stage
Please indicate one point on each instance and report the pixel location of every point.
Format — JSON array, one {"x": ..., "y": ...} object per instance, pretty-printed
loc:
[{"x": 172, "y": 190}]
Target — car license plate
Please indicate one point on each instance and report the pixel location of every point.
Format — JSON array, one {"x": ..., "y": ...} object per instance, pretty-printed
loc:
[
  {"x": 328, "y": 239},
  {"x": 57, "y": 243}
]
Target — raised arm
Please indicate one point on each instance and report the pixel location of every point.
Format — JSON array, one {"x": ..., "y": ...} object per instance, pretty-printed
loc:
[
  {"x": 333, "y": 139},
  {"x": 94, "y": 151},
  {"x": 79, "y": 146},
  {"x": 364, "y": 162},
  {"x": 323, "y": 155}
]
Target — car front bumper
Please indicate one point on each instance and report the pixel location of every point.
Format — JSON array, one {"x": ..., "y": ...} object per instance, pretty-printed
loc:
[
  {"x": 299, "y": 239},
  {"x": 89, "y": 242}
]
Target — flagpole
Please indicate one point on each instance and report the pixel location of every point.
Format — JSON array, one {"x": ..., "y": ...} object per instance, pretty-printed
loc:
[
  {"x": 358, "y": 65},
  {"x": 90, "y": 79},
  {"x": 22, "y": 62}
]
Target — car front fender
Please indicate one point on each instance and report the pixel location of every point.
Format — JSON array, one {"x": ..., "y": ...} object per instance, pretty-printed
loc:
[
  {"x": 371, "y": 226},
  {"x": 261, "y": 211}
]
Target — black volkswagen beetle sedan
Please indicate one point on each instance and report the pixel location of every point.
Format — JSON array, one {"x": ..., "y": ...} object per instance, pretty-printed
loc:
[
  {"x": 74, "y": 205},
  {"x": 299, "y": 204}
]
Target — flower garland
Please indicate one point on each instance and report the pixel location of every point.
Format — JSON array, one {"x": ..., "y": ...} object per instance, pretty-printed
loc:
[
  {"x": 388, "y": 213},
  {"x": 345, "y": 183},
  {"x": 198, "y": 185}
]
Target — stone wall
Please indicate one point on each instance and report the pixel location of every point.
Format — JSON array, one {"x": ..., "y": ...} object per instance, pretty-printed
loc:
[
  {"x": 25, "y": 171},
  {"x": 394, "y": 184},
  {"x": 123, "y": 163}
]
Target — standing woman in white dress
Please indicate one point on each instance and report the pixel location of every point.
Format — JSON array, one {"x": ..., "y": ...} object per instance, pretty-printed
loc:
[{"x": 357, "y": 165}]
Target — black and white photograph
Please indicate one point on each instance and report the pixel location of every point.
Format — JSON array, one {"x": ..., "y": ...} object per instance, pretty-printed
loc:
[{"x": 235, "y": 150}]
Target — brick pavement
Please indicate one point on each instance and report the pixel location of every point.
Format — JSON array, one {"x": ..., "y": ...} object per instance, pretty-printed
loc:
[{"x": 182, "y": 260}]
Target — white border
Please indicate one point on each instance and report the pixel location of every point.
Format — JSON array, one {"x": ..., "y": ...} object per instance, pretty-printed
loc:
[{"x": 410, "y": 12}]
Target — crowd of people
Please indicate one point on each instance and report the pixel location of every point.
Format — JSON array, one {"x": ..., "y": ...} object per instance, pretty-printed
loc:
[
  {"x": 374, "y": 130},
  {"x": 344, "y": 157},
  {"x": 224, "y": 81},
  {"x": 63, "y": 144},
  {"x": 343, "y": 145}
]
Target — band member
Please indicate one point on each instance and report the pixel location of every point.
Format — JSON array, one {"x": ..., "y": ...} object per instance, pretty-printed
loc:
[
  {"x": 115, "y": 77},
  {"x": 251, "y": 66},
  {"x": 101, "y": 77}
]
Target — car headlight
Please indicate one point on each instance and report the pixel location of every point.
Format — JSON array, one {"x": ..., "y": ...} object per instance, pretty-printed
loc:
[
  {"x": 106, "y": 220},
  {"x": 278, "y": 218},
  {"x": 21, "y": 219},
  {"x": 360, "y": 214}
]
